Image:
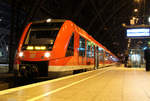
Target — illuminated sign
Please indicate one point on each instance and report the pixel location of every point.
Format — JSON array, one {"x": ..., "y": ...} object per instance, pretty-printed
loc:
[{"x": 138, "y": 32}]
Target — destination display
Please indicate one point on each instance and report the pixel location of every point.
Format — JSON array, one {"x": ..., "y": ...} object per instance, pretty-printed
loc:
[{"x": 138, "y": 32}]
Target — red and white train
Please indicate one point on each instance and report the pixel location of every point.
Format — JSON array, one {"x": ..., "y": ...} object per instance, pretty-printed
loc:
[{"x": 56, "y": 45}]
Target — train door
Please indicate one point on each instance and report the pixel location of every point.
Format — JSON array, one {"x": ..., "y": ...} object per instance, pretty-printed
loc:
[
  {"x": 101, "y": 57},
  {"x": 96, "y": 57},
  {"x": 82, "y": 58},
  {"x": 88, "y": 53}
]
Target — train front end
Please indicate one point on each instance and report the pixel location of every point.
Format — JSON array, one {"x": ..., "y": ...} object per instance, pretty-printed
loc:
[{"x": 35, "y": 48}]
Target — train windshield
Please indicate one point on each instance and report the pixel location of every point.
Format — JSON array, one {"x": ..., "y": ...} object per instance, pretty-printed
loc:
[{"x": 42, "y": 34}]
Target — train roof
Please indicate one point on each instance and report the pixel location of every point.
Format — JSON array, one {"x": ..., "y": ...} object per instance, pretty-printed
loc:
[{"x": 49, "y": 20}]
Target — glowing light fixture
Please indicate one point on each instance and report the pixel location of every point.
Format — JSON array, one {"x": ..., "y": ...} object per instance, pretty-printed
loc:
[
  {"x": 48, "y": 20},
  {"x": 149, "y": 19},
  {"x": 43, "y": 47},
  {"x": 138, "y": 1},
  {"x": 123, "y": 24},
  {"x": 144, "y": 48},
  {"x": 133, "y": 18},
  {"x": 37, "y": 48},
  {"x": 136, "y": 10},
  {"x": 40, "y": 48}
]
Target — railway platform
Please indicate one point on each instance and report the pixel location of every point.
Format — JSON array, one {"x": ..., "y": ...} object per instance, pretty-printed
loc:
[{"x": 106, "y": 84}]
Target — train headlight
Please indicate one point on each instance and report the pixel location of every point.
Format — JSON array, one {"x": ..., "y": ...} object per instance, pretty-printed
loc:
[
  {"x": 20, "y": 54},
  {"x": 47, "y": 54}
]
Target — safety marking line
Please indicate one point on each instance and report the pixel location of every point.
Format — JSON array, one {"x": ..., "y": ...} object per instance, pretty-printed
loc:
[
  {"x": 59, "y": 89},
  {"x": 46, "y": 82}
]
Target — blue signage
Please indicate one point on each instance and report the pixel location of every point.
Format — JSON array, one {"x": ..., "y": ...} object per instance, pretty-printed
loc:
[{"x": 138, "y": 32}]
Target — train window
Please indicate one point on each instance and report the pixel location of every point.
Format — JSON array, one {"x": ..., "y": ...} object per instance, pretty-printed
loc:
[
  {"x": 70, "y": 49},
  {"x": 107, "y": 54},
  {"x": 92, "y": 50},
  {"x": 101, "y": 51},
  {"x": 82, "y": 47},
  {"x": 88, "y": 49}
]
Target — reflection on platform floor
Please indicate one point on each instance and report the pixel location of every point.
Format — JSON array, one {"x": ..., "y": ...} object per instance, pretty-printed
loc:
[{"x": 108, "y": 84}]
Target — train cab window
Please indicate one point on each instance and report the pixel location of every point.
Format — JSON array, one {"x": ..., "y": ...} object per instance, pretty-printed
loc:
[
  {"x": 70, "y": 49},
  {"x": 82, "y": 47},
  {"x": 40, "y": 34}
]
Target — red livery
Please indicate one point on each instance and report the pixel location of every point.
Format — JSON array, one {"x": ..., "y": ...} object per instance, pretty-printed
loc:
[{"x": 56, "y": 45}]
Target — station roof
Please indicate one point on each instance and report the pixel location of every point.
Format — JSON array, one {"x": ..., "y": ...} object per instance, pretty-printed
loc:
[{"x": 102, "y": 19}]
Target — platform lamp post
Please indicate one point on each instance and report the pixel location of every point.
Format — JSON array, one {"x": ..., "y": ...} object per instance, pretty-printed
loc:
[
  {"x": 138, "y": 1},
  {"x": 12, "y": 36},
  {"x": 135, "y": 10},
  {"x": 133, "y": 21}
]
